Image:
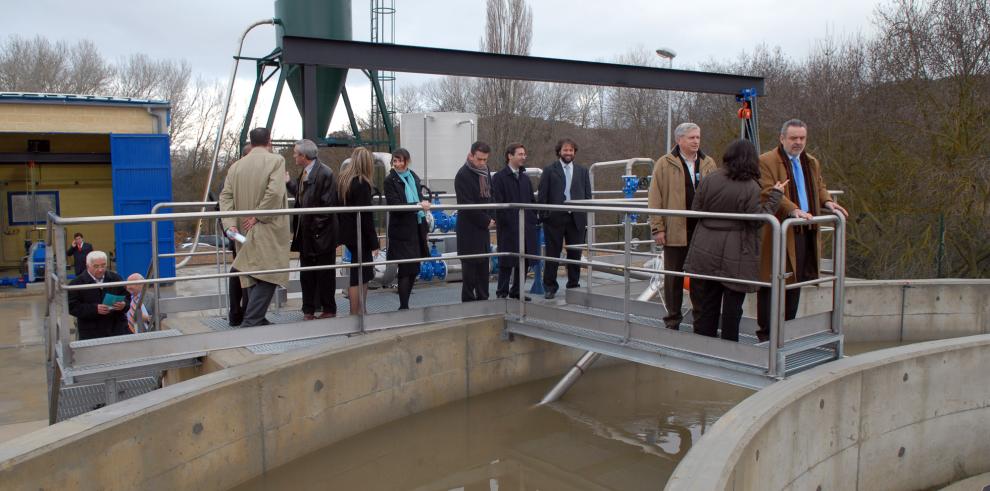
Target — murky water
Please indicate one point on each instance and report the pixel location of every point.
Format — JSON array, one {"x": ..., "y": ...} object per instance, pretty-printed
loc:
[{"x": 621, "y": 427}]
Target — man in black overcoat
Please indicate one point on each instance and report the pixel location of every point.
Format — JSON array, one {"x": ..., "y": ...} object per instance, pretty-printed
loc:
[
  {"x": 511, "y": 185},
  {"x": 94, "y": 319},
  {"x": 561, "y": 181},
  {"x": 314, "y": 236},
  {"x": 473, "y": 185}
]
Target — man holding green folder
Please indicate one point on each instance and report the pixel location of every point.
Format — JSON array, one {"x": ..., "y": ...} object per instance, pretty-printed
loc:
[{"x": 99, "y": 312}]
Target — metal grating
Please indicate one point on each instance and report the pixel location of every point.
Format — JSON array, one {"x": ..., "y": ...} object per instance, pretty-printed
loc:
[
  {"x": 79, "y": 399},
  {"x": 378, "y": 302}
]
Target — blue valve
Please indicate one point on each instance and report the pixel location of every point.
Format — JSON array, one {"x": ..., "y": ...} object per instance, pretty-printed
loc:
[{"x": 629, "y": 191}]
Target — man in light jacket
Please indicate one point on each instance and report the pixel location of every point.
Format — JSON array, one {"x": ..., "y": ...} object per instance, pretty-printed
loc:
[
  {"x": 257, "y": 182},
  {"x": 676, "y": 177}
]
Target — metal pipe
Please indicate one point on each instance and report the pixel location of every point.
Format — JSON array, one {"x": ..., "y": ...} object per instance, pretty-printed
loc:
[
  {"x": 521, "y": 272},
  {"x": 581, "y": 366},
  {"x": 361, "y": 298},
  {"x": 223, "y": 121},
  {"x": 776, "y": 279},
  {"x": 155, "y": 273},
  {"x": 625, "y": 279},
  {"x": 839, "y": 289}
]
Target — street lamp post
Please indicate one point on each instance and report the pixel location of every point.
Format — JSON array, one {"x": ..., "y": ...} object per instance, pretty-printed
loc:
[{"x": 669, "y": 54}]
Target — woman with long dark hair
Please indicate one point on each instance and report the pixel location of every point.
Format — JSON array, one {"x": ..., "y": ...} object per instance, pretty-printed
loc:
[
  {"x": 354, "y": 188},
  {"x": 406, "y": 229},
  {"x": 729, "y": 248}
]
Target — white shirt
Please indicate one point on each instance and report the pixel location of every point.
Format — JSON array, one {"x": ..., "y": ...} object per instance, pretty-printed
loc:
[
  {"x": 309, "y": 168},
  {"x": 690, "y": 165}
]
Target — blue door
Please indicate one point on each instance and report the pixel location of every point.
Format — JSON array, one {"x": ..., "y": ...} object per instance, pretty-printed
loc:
[{"x": 142, "y": 177}]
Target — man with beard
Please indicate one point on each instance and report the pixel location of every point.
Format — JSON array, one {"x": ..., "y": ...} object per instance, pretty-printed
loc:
[
  {"x": 563, "y": 180},
  {"x": 512, "y": 186}
]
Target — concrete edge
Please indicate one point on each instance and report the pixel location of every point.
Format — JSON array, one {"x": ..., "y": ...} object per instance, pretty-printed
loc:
[
  {"x": 26, "y": 446},
  {"x": 711, "y": 462}
]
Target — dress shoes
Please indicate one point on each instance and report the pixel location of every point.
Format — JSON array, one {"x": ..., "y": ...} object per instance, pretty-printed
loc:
[
  {"x": 550, "y": 294},
  {"x": 308, "y": 317},
  {"x": 327, "y": 315}
]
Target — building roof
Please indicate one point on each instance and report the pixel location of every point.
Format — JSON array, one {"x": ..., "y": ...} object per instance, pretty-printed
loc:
[{"x": 75, "y": 99}]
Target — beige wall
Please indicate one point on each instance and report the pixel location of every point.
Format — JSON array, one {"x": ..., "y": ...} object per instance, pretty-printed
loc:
[
  {"x": 223, "y": 428},
  {"x": 57, "y": 118},
  {"x": 914, "y": 417}
]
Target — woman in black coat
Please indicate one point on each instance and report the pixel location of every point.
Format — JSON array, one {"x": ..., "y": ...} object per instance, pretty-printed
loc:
[
  {"x": 728, "y": 248},
  {"x": 406, "y": 229},
  {"x": 354, "y": 189}
]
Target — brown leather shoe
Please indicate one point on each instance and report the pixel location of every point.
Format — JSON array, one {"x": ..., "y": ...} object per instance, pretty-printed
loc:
[
  {"x": 308, "y": 317},
  {"x": 327, "y": 315}
]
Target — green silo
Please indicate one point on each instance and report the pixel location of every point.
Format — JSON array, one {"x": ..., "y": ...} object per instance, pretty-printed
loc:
[{"x": 326, "y": 19}]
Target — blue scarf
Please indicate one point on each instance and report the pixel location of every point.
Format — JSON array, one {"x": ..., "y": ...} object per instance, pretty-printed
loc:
[{"x": 412, "y": 194}]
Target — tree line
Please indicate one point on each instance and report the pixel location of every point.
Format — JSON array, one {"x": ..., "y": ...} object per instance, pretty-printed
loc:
[{"x": 898, "y": 119}]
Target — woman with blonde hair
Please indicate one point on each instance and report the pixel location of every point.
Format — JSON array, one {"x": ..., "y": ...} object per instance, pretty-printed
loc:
[{"x": 354, "y": 188}]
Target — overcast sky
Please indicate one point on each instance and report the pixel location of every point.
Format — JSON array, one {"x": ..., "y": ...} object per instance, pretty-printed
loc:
[{"x": 205, "y": 32}]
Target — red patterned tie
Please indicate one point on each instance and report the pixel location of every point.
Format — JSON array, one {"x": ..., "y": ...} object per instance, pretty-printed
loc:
[{"x": 133, "y": 315}]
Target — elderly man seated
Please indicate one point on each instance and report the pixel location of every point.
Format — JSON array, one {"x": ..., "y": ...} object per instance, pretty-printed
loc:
[
  {"x": 99, "y": 312},
  {"x": 141, "y": 308}
]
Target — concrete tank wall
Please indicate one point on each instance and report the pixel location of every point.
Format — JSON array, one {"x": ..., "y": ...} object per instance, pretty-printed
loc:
[
  {"x": 913, "y": 417},
  {"x": 221, "y": 429}
]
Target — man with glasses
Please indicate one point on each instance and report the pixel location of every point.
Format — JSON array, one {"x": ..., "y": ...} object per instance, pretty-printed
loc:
[{"x": 99, "y": 312}]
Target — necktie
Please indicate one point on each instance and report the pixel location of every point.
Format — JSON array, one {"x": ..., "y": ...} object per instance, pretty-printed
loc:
[
  {"x": 567, "y": 182},
  {"x": 302, "y": 182},
  {"x": 802, "y": 191},
  {"x": 133, "y": 314}
]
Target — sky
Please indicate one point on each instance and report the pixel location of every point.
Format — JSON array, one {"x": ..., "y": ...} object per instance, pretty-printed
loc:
[{"x": 205, "y": 32}]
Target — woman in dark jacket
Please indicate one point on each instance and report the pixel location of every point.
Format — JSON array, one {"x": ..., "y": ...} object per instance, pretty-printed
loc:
[
  {"x": 406, "y": 229},
  {"x": 354, "y": 189},
  {"x": 728, "y": 248}
]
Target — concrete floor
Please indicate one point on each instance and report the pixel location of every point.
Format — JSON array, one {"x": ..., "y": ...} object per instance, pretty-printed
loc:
[{"x": 23, "y": 398}]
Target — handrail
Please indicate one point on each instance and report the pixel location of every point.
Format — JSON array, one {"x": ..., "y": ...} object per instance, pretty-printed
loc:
[{"x": 777, "y": 282}]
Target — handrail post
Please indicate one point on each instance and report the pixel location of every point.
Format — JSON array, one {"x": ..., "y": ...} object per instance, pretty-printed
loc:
[
  {"x": 521, "y": 272},
  {"x": 155, "y": 273},
  {"x": 360, "y": 265},
  {"x": 776, "y": 277},
  {"x": 625, "y": 278},
  {"x": 839, "y": 284},
  {"x": 589, "y": 238},
  {"x": 61, "y": 297}
]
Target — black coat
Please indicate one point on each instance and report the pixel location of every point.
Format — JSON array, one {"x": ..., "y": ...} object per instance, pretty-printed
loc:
[
  {"x": 507, "y": 188},
  {"x": 359, "y": 194},
  {"x": 79, "y": 256},
  {"x": 472, "y": 225},
  {"x": 406, "y": 235},
  {"x": 82, "y": 306},
  {"x": 314, "y": 235},
  {"x": 551, "y": 192},
  {"x": 728, "y": 248}
]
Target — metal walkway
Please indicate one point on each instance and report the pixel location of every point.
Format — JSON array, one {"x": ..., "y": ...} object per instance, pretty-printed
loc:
[{"x": 596, "y": 323}]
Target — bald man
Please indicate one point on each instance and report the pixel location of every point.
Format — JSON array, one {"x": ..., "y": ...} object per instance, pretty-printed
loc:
[{"x": 141, "y": 310}]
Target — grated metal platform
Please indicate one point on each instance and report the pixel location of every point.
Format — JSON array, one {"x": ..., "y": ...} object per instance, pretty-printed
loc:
[
  {"x": 378, "y": 302},
  {"x": 78, "y": 399}
]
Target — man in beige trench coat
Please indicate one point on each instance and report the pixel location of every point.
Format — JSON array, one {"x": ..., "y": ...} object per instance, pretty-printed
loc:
[{"x": 257, "y": 182}]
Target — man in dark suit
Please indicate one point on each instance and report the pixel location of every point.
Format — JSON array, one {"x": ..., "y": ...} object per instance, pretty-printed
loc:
[
  {"x": 473, "y": 185},
  {"x": 562, "y": 181},
  {"x": 78, "y": 251},
  {"x": 511, "y": 185},
  {"x": 314, "y": 236},
  {"x": 93, "y": 318}
]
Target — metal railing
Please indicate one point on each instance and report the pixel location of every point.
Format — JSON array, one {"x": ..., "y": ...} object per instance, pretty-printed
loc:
[{"x": 58, "y": 332}]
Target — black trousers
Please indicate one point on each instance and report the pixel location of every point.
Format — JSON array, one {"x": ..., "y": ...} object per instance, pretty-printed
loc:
[
  {"x": 716, "y": 297},
  {"x": 474, "y": 282},
  {"x": 509, "y": 267},
  {"x": 237, "y": 300},
  {"x": 673, "y": 287},
  {"x": 803, "y": 242},
  {"x": 318, "y": 287},
  {"x": 556, "y": 235},
  {"x": 259, "y": 297}
]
